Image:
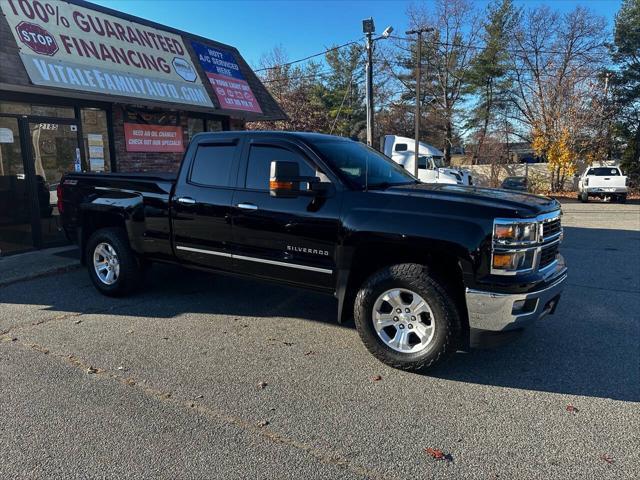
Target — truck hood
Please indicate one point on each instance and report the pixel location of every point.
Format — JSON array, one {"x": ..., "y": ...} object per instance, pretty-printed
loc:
[{"x": 521, "y": 204}]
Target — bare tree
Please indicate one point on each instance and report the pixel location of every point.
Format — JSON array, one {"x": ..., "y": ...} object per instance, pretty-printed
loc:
[
  {"x": 449, "y": 53},
  {"x": 555, "y": 62}
]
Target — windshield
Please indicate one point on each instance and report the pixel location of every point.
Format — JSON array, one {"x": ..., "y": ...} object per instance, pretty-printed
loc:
[
  {"x": 439, "y": 162},
  {"x": 361, "y": 166},
  {"x": 603, "y": 172}
]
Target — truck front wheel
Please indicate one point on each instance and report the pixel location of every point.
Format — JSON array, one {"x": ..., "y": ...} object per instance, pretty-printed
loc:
[
  {"x": 406, "y": 318},
  {"x": 113, "y": 267}
]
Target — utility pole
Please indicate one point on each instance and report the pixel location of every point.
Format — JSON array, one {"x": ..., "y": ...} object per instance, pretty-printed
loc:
[
  {"x": 419, "y": 32},
  {"x": 368, "y": 27},
  {"x": 607, "y": 117}
]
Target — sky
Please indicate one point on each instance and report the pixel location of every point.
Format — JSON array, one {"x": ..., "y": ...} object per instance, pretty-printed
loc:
[{"x": 301, "y": 27}]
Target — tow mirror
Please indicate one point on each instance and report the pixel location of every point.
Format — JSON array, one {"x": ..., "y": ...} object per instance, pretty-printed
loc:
[{"x": 285, "y": 180}]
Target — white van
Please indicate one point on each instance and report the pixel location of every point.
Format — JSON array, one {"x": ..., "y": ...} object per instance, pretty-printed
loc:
[{"x": 431, "y": 167}]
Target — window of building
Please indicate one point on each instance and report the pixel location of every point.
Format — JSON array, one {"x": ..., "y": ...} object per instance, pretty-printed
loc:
[
  {"x": 259, "y": 165},
  {"x": 214, "y": 125},
  {"x": 194, "y": 126},
  {"x": 212, "y": 165},
  {"x": 95, "y": 135},
  {"x": 17, "y": 108}
]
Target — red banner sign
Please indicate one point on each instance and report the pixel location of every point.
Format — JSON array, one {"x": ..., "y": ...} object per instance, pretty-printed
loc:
[{"x": 153, "y": 138}]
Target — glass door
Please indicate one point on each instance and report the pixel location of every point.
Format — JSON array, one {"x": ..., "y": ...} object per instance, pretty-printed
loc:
[
  {"x": 15, "y": 214},
  {"x": 55, "y": 150}
]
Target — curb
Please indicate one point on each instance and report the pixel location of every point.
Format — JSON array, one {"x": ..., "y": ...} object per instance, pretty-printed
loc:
[{"x": 46, "y": 273}]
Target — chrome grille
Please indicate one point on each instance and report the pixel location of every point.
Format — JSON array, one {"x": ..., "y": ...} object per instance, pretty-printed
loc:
[
  {"x": 548, "y": 255},
  {"x": 551, "y": 228}
]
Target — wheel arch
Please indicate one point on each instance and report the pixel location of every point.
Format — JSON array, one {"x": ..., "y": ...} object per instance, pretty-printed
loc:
[
  {"x": 95, "y": 217},
  {"x": 446, "y": 261}
]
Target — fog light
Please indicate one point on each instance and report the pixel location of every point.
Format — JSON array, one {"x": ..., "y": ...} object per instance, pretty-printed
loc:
[{"x": 502, "y": 260}]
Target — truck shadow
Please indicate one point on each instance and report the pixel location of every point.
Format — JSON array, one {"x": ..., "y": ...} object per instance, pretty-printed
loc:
[{"x": 590, "y": 347}]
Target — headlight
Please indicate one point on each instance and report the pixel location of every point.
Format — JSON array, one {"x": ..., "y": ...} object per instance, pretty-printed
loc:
[
  {"x": 513, "y": 261},
  {"x": 515, "y": 233},
  {"x": 514, "y": 246}
]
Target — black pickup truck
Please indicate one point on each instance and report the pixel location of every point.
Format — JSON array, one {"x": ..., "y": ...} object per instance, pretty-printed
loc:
[{"x": 423, "y": 269}]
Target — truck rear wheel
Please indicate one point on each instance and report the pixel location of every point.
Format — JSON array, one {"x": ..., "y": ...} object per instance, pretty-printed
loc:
[
  {"x": 584, "y": 197},
  {"x": 113, "y": 267},
  {"x": 406, "y": 318}
]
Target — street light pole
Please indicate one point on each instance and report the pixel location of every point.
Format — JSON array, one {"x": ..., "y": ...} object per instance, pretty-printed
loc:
[
  {"x": 419, "y": 32},
  {"x": 369, "y": 28}
]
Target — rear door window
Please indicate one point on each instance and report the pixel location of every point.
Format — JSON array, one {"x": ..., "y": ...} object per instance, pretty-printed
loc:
[{"x": 213, "y": 165}]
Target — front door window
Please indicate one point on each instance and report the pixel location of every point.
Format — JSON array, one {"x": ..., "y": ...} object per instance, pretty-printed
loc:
[
  {"x": 15, "y": 215},
  {"x": 55, "y": 151}
]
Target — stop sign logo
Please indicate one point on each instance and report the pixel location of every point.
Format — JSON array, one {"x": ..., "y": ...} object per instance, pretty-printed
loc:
[{"x": 37, "y": 38}]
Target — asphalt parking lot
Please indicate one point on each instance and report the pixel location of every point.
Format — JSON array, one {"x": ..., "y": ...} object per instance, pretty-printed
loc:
[{"x": 204, "y": 376}]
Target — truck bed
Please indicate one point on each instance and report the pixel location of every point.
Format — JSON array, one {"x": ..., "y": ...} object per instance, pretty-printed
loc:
[{"x": 144, "y": 196}]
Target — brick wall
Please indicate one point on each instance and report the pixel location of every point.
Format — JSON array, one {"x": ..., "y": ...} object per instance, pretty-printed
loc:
[
  {"x": 143, "y": 162},
  {"x": 154, "y": 162}
]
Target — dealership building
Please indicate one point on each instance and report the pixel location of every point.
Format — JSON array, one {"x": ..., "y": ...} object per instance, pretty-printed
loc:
[{"x": 86, "y": 88}]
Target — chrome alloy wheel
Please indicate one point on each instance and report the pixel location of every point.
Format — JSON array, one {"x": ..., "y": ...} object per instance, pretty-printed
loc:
[
  {"x": 403, "y": 320},
  {"x": 106, "y": 263}
]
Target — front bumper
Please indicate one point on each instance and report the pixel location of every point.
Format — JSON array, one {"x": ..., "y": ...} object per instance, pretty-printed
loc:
[{"x": 499, "y": 312}]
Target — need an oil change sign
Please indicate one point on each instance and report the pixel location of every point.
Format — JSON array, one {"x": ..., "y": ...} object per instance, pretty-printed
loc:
[{"x": 66, "y": 46}]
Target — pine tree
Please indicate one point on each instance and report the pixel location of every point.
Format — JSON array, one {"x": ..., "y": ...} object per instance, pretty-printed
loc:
[
  {"x": 626, "y": 82},
  {"x": 343, "y": 97},
  {"x": 489, "y": 79}
]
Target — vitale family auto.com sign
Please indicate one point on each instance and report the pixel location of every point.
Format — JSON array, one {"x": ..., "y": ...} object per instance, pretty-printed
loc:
[{"x": 67, "y": 46}]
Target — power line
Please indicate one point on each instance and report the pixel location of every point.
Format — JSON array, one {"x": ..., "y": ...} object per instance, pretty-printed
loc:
[
  {"x": 480, "y": 47},
  {"x": 333, "y": 49}
]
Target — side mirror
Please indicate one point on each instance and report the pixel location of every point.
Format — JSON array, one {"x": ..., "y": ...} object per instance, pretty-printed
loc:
[{"x": 285, "y": 179}]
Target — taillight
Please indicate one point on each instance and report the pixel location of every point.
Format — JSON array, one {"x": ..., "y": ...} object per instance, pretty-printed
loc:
[{"x": 59, "y": 193}]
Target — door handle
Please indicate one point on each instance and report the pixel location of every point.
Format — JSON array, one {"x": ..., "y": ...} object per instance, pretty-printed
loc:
[
  {"x": 247, "y": 206},
  {"x": 185, "y": 200}
]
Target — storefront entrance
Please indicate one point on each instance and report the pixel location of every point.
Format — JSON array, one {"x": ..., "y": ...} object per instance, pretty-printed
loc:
[{"x": 35, "y": 152}]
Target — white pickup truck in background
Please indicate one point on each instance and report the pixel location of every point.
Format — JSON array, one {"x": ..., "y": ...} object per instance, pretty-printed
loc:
[
  {"x": 431, "y": 166},
  {"x": 606, "y": 182}
]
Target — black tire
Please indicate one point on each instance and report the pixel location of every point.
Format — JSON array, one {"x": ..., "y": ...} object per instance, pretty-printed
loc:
[
  {"x": 584, "y": 197},
  {"x": 622, "y": 198},
  {"x": 130, "y": 273},
  {"x": 416, "y": 278}
]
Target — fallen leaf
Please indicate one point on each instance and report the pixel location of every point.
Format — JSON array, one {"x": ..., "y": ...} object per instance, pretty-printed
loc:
[
  {"x": 288, "y": 344},
  {"x": 438, "y": 454},
  {"x": 91, "y": 370},
  {"x": 572, "y": 409},
  {"x": 78, "y": 322},
  {"x": 376, "y": 378},
  {"x": 263, "y": 423},
  {"x": 199, "y": 396},
  {"x": 310, "y": 352},
  {"x": 607, "y": 458},
  {"x": 262, "y": 385},
  {"x": 165, "y": 338}
]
